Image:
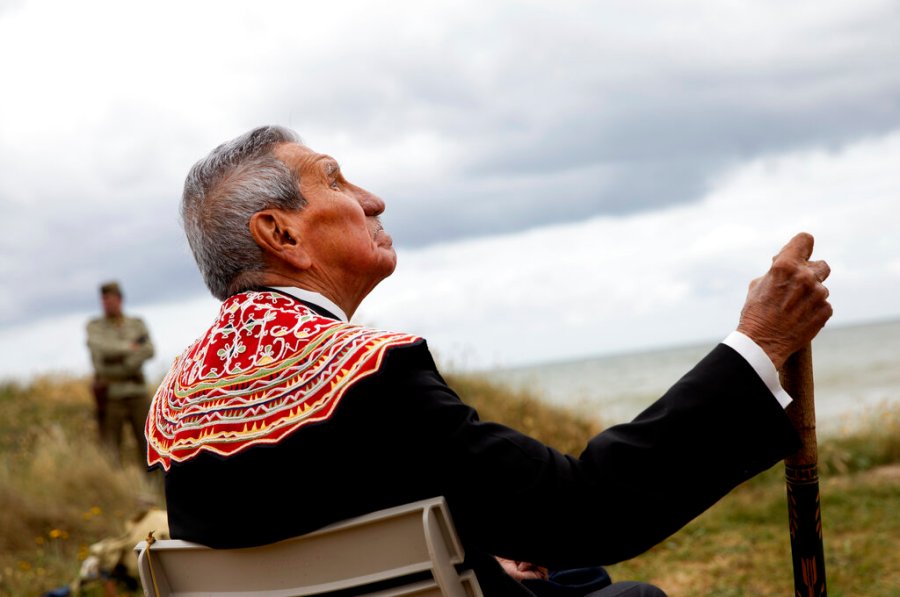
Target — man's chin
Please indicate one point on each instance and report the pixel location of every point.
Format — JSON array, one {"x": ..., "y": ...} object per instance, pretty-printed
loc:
[{"x": 392, "y": 266}]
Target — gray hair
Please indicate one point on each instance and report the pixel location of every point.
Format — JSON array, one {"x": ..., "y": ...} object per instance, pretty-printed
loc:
[{"x": 221, "y": 193}]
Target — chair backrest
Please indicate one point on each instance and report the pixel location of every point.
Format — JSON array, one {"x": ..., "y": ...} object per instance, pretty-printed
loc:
[{"x": 353, "y": 555}]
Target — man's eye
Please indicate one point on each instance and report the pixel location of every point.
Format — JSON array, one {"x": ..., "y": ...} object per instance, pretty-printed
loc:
[{"x": 335, "y": 185}]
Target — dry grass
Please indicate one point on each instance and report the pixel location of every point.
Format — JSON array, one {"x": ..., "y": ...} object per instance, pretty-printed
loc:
[{"x": 58, "y": 491}]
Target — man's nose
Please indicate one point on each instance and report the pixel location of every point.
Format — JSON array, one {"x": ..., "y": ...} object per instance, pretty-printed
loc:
[{"x": 371, "y": 203}]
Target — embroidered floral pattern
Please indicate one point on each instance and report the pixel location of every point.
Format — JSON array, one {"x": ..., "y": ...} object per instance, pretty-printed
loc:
[{"x": 268, "y": 366}]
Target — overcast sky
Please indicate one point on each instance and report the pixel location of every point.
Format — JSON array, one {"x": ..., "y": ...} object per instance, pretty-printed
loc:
[{"x": 562, "y": 178}]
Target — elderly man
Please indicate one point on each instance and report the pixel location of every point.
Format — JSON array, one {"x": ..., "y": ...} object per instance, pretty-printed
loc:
[{"x": 284, "y": 417}]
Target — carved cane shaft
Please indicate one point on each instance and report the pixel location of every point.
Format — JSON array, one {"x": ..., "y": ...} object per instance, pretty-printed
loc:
[{"x": 802, "y": 480}]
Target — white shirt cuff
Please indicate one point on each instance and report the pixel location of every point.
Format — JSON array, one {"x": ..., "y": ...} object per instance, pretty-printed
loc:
[{"x": 761, "y": 363}]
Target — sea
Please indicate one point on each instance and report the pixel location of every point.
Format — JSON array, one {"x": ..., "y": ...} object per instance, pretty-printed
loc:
[{"x": 856, "y": 377}]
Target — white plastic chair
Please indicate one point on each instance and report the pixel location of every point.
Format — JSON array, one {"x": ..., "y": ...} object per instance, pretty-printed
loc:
[{"x": 353, "y": 554}]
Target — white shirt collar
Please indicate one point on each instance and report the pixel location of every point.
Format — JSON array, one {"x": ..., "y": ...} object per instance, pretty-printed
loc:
[{"x": 315, "y": 298}]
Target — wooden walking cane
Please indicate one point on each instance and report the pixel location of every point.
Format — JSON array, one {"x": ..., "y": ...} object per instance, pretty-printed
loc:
[{"x": 802, "y": 479}]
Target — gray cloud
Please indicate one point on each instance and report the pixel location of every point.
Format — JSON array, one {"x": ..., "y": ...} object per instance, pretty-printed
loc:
[
  {"x": 85, "y": 249},
  {"x": 552, "y": 116},
  {"x": 626, "y": 127}
]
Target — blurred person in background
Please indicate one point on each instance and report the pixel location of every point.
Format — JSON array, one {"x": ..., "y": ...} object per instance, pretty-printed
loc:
[{"x": 119, "y": 346}]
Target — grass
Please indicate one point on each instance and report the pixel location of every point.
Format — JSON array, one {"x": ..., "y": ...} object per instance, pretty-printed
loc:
[
  {"x": 59, "y": 494},
  {"x": 741, "y": 547},
  {"x": 58, "y": 491}
]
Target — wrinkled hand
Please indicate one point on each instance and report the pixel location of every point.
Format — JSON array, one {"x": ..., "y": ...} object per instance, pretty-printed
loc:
[
  {"x": 522, "y": 570},
  {"x": 787, "y": 307}
]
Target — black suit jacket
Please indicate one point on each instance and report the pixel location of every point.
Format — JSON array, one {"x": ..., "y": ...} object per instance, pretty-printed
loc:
[{"x": 404, "y": 435}]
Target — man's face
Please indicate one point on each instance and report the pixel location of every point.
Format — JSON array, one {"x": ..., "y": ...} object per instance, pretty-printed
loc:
[
  {"x": 112, "y": 304},
  {"x": 339, "y": 225}
]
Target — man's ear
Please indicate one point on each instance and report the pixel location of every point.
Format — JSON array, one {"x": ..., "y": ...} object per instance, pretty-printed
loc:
[{"x": 277, "y": 236}]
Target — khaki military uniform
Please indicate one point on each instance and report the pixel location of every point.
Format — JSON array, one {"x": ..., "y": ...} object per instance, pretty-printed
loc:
[{"x": 119, "y": 346}]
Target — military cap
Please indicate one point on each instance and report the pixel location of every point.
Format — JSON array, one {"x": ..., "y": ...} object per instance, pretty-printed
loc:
[{"x": 110, "y": 288}]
